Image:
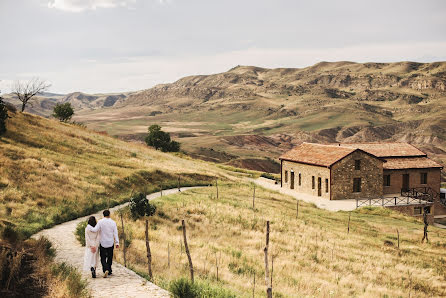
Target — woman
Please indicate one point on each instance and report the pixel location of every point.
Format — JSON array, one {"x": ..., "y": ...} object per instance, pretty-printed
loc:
[{"x": 91, "y": 248}]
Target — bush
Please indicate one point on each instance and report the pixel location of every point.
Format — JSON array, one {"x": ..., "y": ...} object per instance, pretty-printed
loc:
[
  {"x": 3, "y": 116},
  {"x": 80, "y": 232},
  {"x": 184, "y": 288},
  {"x": 268, "y": 176},
  {"x": 77, "y": 287},
  {"x": 63, "y": 111},
  {"x": 161, "y": 140},
  {"x": 140, "y": 206}
]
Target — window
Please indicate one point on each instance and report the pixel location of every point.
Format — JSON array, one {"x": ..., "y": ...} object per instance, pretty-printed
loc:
[
  {"x": 423, "y": 177},
  {"x": 356, "y": 184},
  {"x": 416, "y": 210},
  {"x": 300, "y": 179},
  {"x": 357, "y": 164},
  {"x": 312, "y": 182},
  {"x": 386, "y": 180},
  {"x": 326, "y": 185},
  {"x": 286, "y": 176},
  {"x": 427, "y": 210}
]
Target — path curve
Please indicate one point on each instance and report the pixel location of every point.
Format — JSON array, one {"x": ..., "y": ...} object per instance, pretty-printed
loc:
[
  {"x": 323, "y": 203},
  {"x": 124, "y": 282}
]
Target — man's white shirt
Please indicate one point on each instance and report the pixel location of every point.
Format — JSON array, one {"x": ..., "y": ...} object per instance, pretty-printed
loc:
[{"x": 108, "y": 231}]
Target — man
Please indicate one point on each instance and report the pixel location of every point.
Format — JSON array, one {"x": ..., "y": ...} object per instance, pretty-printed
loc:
[{"x": 109, "y": 236}]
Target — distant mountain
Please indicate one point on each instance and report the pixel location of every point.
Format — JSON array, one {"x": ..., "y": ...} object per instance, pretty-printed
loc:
[
  {"x": 249, "y": 115},
  {"x": 44, "y": 103}
]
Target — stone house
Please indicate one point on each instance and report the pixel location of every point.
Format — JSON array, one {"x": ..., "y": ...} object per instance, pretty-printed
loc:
[{"x": 359, "y": 171}]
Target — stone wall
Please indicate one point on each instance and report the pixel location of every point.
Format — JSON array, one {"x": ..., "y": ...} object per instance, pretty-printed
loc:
[
  {"x": 396, "y": 179},
  {"x": 409, "y": 210},
  {"x": 343, "y": 173},
  {"x": 306, "y": 172}
]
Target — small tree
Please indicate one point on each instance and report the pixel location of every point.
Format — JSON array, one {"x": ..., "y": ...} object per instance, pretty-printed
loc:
[
  {"x": 63, "y": 111},
  {"x": 3, "y": 116},
  {"x": 140, "y": 207},
  {"x": 25, "y": 91},
  {"x": 161, "y": 140}
]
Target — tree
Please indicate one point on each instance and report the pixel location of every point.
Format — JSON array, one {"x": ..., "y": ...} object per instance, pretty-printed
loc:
[
  {"x": 63, "y": 111},
  {"x": 161, "y": 140},
  {"x": 26, "y": 90},
  {"x": 141, "y": 207},
  {"x": 3, "y": 116}
]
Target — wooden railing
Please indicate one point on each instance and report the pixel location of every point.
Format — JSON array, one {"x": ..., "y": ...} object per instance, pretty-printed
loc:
[{"x": 416, "y": 195}]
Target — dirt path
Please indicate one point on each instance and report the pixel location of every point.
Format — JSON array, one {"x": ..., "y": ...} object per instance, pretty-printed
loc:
[
  {"x": 336, "y": 205},
  {"x": 124, "y": 282}
]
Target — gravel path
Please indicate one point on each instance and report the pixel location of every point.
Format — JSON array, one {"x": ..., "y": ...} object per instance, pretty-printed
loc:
[
  {"x": 334, "y": 205},
  {"x": 124, "y": 282}
]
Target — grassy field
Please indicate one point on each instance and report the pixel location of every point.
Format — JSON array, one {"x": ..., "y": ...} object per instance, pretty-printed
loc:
[
  {"x": 313, "y": 253},
  {"x": 51, "y": 172}
]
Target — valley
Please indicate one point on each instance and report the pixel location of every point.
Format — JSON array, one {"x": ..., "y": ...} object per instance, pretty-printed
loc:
[{"x": 249, "y": 115}]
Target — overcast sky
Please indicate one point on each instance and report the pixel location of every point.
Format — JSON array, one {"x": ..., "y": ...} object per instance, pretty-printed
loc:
[{"x": 122, "y": 45}]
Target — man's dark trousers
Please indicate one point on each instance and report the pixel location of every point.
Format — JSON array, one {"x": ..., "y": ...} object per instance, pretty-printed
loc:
[{"x": 106, "y": 258}]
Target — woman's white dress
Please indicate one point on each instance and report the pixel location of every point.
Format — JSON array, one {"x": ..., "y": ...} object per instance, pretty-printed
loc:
[{"x": 91, "y": 240}]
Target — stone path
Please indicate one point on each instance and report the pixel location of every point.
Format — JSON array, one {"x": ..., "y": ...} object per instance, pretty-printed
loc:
[
  {"x": 335, "y": 205},
  {"x": 124, "y": 282}
]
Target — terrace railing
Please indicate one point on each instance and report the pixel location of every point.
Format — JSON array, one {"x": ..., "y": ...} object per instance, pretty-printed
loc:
[{"x": 412, "y": 196}]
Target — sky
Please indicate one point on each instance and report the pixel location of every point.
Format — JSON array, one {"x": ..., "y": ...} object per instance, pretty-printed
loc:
[{"x": 99, "y": 46}]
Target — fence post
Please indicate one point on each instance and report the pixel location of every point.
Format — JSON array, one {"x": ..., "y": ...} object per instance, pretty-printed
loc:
[
  {"x": 191, "y": 268},
  {"x": 395, "y": 200}
]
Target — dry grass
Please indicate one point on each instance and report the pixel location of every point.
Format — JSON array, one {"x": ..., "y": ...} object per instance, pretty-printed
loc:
[
  {"x": 27, "y": 270},
  {"x": 313, "y": 254},
  {"x": 51, "y": 172}
]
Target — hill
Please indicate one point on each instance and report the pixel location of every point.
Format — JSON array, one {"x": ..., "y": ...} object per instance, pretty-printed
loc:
[
  {"x": 51, "y": 172},
  {"x": 314, "y": 254},
  {"x": 43, "y": 104},
  {"x": 249, "y": 114}
]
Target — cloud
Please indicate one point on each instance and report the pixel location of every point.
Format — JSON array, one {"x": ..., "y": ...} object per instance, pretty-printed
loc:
[{"x": 82, "y": 5}]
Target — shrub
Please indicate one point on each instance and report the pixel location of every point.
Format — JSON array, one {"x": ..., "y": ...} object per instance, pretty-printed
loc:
[
  {"x": 268, "y": 176},
  {"x": 63, "y": 111},
  {"x": 140, "y": 206},
  {"x": 3, "y": 116},
  {"x": 80, "y": 232},
  {"x": 159, "y": 139},
  {"x": 184, "y": 288},
  {"x": 77, "y": 287}
]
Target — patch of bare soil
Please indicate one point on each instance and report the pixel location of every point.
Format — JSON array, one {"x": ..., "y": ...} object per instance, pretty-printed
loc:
[{"x": 263, "y": 165}]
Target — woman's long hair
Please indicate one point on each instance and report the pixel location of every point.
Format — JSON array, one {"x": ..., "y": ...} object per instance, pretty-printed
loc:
[{"x": 92, "y": 221}]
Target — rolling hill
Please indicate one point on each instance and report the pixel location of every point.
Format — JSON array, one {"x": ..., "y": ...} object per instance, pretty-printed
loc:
[
  {"x": 44, "y": 103},
  {"x": 51, "y": 172},
  {"x": 249, "y": 115}
]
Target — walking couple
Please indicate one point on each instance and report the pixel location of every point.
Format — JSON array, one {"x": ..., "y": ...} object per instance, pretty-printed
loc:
[{"x": 102, "y": 235}]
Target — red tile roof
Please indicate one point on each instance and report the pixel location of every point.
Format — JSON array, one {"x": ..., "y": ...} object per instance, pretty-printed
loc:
[
  {"x": 400, "y": 163},
  {"x": 387, "y": 149},
  {"x": 395, "y": 155},
  {"x": 317, "y": 154}
]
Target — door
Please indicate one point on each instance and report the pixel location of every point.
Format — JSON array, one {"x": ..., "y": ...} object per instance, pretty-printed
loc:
[
  {"x": 406, "y": 182},
  {"x": 319, "y": 186},
  {"x": 292, "y": 181}
]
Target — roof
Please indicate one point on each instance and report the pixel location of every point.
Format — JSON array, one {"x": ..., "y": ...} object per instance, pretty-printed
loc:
[
  {"x": 400, "y": 163},
  {"x": 317, "y": 154},
  {"x": 388, "y": 149}
]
